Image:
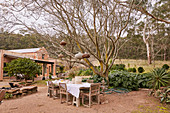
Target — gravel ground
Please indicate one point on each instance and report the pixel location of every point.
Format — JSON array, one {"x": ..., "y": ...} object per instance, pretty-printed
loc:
[{"x": 40, "y": 103}]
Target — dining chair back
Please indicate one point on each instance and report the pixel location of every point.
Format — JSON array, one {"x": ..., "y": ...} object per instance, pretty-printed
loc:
[
  {"x": 2, "y": 95},
  {"x": 53, "y": 90},
  {"x": 94, "y": 90},
  {"x": 63, "y": 91}
]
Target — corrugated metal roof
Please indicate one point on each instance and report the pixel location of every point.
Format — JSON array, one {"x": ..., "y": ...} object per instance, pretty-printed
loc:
[
  {"x": 36, "y": 60},
  {"x": 30, "y": 50}
]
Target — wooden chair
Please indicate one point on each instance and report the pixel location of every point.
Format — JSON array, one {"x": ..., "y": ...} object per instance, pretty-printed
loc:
[
  {"x": 53, "y": 90},
  {"x": 2, "y": 95},
  {"x": 90, "y": 81},
  {"x": 93, "y": 91},
  {"x": 63, "y": 91}
]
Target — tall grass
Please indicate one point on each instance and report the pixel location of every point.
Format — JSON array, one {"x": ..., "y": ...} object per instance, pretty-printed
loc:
[
  {"x": 141, "y": 63},
  {"x": 130, "y": 63}
]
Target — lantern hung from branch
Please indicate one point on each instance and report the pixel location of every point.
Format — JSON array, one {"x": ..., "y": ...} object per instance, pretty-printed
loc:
[
  {"x": 63, "y": 43},
  {"x": 60, "y": 55},
  {"x": 86, "y": 55},
  {"x": 79, "y": 55}
]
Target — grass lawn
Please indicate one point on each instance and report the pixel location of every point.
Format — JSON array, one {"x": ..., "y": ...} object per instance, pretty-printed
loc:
[
  {"x": 130, "y": 63},
  {"x": 141, "y": 63}
]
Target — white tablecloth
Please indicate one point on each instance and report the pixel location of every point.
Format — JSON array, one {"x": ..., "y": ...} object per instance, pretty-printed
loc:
[
  {"x": 56, "y": 82},
  {"x": 74, "y": 89}
]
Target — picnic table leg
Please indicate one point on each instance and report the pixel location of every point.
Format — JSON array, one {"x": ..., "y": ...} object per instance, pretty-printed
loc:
[
  {"x": 60, "y": 98},
  {"x": 89, "y": 101},
  {"x": 77, "y": 102},
  {"x": 67, "y": 98}
]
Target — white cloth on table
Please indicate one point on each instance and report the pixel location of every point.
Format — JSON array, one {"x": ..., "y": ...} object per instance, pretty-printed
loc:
[
  {"x": 56, "y": 82},
  {"x": 74, "y": 89}
]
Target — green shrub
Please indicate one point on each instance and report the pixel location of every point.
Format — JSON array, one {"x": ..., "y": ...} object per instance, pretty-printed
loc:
[
  {"x": 165, "y": 66},
  {"x": 132, "y": 70},
  {"x": 123, "y": 79},
  {"x": 61, "y": 69},
  {"x": 24, "y": 66},
  {"x": 72, "y": 74},
  {"x": 97, "y": 78},
  {"x": 143, "y": 80},
  {"x": 159, "y": 77},
  {"x": 8, "y": 96},
  {"x": 128, "y": 65},
  {"x": 50, "y": 76},
  {"x": 140, "y": 69},
  {"x": 87, "y": 72},
  {"x": 80, "y": 72},
  {"x": 84, "y": 79},
  {"x": 83, "y": 72},
  {"x": 118, "y": 67}
]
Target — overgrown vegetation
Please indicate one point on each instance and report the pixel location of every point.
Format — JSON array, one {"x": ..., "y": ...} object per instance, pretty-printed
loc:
[
  {"x": 123, "y": 79},
  {"x": 143, "y": 80}
]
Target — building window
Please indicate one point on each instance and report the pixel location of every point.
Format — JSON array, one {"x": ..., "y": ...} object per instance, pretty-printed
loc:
[{"x": 43, "y": 55}]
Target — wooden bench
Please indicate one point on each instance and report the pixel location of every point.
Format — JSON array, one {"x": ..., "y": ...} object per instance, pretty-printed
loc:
[{"x": 17, "y": 92}]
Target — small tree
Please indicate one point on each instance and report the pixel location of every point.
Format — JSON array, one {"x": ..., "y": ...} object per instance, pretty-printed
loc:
[{"x": 23, "y": 66}]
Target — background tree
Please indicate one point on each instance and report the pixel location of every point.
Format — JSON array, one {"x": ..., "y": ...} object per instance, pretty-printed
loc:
[
  {"x": 23, "y": 66},
  {"x": 153, "y": 32},
  {"x": 19, "y": 41},
  {"x": 94, "y": 26}
]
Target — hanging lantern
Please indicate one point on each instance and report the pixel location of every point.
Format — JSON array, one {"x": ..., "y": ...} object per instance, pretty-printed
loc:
[
  {"x": 63, "y": 43},
  {"x": 60, "y": 55},
  {"x": 79, "y": 55},
  {"x": 86, "y": 55}
]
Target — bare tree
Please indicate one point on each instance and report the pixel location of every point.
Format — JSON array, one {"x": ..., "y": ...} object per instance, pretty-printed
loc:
[
  {"x": 140, "y": 6},
  {"x": 92, "y": 26}
]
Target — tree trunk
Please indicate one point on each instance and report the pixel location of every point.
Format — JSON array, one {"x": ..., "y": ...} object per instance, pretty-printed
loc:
[
  {"x": 146, "y": 41},
  {"x": 164, "y": 53},
  {"x": 148, "y": 53},
  {"x": 106, "y": 75}
]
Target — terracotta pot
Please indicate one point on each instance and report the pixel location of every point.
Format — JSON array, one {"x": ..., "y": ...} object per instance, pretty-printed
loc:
[
  {"x": 63, "y": 43},
  {"x": 86, "y": 55},
  {"x": 79, "y": 55}
]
